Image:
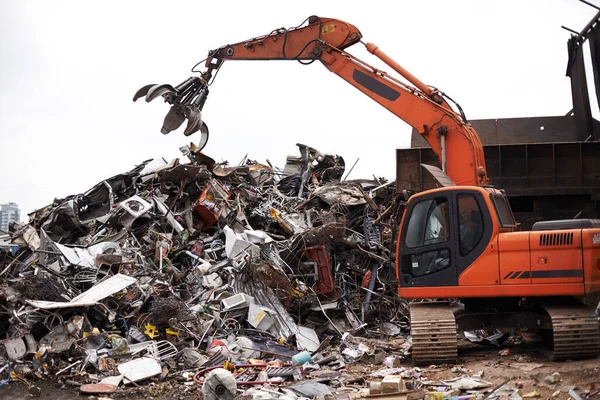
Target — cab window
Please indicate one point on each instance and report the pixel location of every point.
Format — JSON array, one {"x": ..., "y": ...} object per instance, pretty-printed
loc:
[
  {"x": 430, "y": 262},
  {"x": 428, "y": 223},
  {"x": 505, "y": 215},
  {"x": 470, "y": 223}
]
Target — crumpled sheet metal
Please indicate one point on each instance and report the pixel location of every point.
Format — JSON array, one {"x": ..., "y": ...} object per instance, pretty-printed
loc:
[
  {"x": 27, "y": 236},
  {"x": 264, "y": 296},
  {"x": 86, "y": 257},
  {"x": 340, "y": 194},
  {"x": 90, "y": 297}
]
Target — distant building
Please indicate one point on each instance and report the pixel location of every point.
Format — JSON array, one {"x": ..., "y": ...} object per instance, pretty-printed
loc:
[{"x": 8, "y": 213}]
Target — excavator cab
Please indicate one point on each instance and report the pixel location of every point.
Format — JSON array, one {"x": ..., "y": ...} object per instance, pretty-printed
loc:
[
  {"x": 445, "y": 230},
  {"x": 460, "y": 243}
]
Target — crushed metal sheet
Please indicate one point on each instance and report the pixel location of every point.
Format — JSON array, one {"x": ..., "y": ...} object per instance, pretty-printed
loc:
[
  {"x": 264, "y": 296},
  {"x": 307, "y": 339},
  {"x": 100, "y": 291},
  {"x": 139, "y": 369}
]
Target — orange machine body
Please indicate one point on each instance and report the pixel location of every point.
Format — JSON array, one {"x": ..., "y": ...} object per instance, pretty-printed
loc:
[{"x": 506, "y": 263}]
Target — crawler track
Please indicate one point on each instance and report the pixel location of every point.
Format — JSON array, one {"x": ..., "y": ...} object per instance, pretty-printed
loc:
[
  {"x": 575, "y": 332},
  {"x": 433, "y": 331}
]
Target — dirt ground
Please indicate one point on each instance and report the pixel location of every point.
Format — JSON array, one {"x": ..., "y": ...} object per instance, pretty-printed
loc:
[{"x": 524, "y": 365}]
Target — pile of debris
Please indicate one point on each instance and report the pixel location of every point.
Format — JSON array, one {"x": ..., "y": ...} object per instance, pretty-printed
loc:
[{"x": 188, "y": 266}]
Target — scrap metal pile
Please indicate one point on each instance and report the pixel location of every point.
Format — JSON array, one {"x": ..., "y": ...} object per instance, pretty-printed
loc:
[{"x": 183, "y": 266}]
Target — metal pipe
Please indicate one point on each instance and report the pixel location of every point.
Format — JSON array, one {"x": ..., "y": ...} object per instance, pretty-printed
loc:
[
  {"x": 372, "y": 192},
  {"x": 373, "y": 49},
  {"x": 443, "y": 146}
]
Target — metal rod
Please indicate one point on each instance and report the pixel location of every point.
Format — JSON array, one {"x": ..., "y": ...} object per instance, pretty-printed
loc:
[
  {"x": 325, "y": 314},
  {"x": 383, "y": 214},
  {"x": 495, "y": 389},
  {"x": 590, "y": 4},
  {"x": 353, "y": 165},
  {"x": 14, "y": 261},
  {"x": 570, "y": 30},
  {"x": 68, "y": 366},
  {"x": 48, "y": 252}
]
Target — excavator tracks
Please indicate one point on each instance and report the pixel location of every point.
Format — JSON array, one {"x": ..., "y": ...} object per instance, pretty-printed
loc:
[
  {"x": 575, "y": 332},
  {"x": 433, "y": 332}
]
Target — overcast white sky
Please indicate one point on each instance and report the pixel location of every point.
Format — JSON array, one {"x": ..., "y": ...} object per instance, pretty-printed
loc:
[{"x": 69, "y": 69}]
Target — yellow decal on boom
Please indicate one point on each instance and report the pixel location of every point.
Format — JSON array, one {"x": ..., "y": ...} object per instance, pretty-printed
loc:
[{"x": 327, "y": 29}]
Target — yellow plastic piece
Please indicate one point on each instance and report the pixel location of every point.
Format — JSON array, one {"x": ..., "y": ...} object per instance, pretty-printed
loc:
[
  {"x": 151, "y": 331},
  {"x": 173, "y": 332},
  {"x": 228, "y": 365}
]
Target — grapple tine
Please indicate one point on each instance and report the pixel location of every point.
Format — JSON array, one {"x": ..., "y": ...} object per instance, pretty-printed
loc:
[
  {"x": 173, "y": 120},
  {"x": 142, "y": 91},
  {"x": 193, "y": 112},
  {"x": 194, "y": 118},
  {"x": 203, "y": 136},
  {"x": 198, "y": 125},
  {"x": 159, "y": 90}
]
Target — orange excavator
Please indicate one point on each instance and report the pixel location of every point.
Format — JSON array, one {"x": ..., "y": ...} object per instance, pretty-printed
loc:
[{"x": 459, "y": 241}]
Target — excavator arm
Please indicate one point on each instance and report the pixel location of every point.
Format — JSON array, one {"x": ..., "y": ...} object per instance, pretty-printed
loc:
[{"x": 452, "y": 139}]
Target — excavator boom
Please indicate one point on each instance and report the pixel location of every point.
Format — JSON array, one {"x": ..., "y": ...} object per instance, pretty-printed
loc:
[
  {"x": 299, "y": 43},
  {"x": 325, "y": 40}
]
